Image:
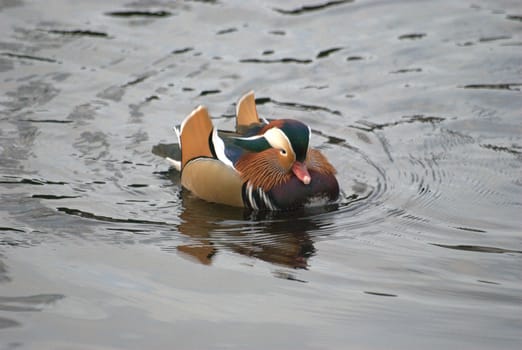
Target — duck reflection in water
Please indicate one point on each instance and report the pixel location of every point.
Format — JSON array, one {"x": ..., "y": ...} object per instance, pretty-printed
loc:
[{"x": 280, "y": 238}]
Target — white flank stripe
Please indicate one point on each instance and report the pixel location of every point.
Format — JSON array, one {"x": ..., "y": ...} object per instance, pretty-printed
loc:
[
  {"x": 265, "y": 198},
  {"x": 251, "y": 198}
]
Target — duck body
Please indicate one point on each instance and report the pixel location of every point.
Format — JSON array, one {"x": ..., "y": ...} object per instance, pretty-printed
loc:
[{"x": 261, "y": 165}]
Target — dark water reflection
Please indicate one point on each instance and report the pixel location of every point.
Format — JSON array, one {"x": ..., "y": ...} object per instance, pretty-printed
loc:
[
  {"x": 265, "y": 236},
  {"x": 416, "y": 103}
]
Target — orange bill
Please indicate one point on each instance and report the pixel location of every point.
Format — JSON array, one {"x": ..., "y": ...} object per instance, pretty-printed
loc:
[{"x": 299, "y": 169}]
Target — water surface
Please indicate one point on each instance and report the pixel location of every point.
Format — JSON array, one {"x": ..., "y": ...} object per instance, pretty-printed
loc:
[{"x": 417, "y": 103}]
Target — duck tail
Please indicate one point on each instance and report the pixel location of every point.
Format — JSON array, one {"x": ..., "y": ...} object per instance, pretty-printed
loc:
[{"x": 174, "y": 163}]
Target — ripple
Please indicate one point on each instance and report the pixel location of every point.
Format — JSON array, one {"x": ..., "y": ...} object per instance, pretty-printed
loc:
[
  {"x": 80, "y": 32},
  {"x": 407, "y": 70},
  {"x": 29, "y": 57},
  {"x": 52, "y": 196},
  {"x": 226, "y": 31},
  {"x": 27, "y": 181},
  {"x": 209, "y": 92},
  {"x": 493, "y": 38},
  {"x": 328, "y": 52},
  {"x": 11, "y": 229},
  {"x": 503, "y": 86},
  {"x": 28, "y": 303},
  {"x": 513, "y": 150},
  {"x": 310, "y": 8},
  {"x": 139, "y": 79},
  {"x": 412, "y": 36},
  {"x": 469, "y": 229},
  {"x": 182, "y": 51},
  {"x": 514, "y": 17},
  {"x": 280, "y": 60},
  {"x": 88, "y": 215},
  {"x": 296, "y": 105},
  {"x": 380, "y": 294},
  {"x": 50, "y": 121},
  {"x": 153, "y": 14},
  {"x": 369, "y": 126},
  {"x": 477, "y": 248}
]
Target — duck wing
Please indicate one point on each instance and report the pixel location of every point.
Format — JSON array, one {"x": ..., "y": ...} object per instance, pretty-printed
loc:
[{"x": 205, "y": 171}]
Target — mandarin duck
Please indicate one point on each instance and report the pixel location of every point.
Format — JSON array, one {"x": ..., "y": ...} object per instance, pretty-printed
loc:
[{"x": 263, "y": 165}]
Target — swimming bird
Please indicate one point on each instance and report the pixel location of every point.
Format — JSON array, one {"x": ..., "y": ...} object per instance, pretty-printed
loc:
[{"x": 262, "y": 165}]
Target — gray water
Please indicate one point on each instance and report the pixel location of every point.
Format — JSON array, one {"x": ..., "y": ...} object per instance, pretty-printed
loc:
[{"x": 417, "y": 103}]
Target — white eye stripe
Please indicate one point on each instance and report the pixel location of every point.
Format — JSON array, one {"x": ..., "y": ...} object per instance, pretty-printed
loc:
[{"x": 277, "y": 139}]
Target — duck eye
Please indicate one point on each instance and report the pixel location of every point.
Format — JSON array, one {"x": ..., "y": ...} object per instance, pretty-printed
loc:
[{"x": 283, "y": 152}]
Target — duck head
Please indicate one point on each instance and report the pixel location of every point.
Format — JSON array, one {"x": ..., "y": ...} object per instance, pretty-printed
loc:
[
  {"x": 278, "y": 151},
  {"x": 292, "y": 138}
]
